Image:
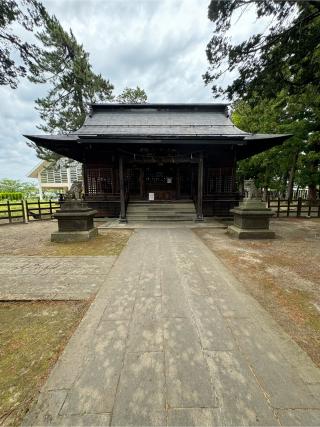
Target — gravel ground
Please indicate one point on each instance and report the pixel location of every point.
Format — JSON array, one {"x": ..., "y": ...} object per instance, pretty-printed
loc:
[{"x": 282, "y": 274}]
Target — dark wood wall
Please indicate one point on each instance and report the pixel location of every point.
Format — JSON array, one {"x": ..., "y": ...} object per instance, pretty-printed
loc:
[{"x": 101, "y": 178}]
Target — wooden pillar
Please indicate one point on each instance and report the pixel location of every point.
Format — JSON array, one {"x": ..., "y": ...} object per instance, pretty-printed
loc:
[
  {"x": 122, "y": 192},
  {"x": 200, "y": 189}
]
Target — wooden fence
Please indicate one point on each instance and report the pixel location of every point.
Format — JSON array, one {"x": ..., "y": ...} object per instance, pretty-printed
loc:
[
  {"x": 12, "y": 212},
  {"x": 24, "y": 210},
  {"x": 296, "y": 208},
  {"x": 41, "y": 210}
]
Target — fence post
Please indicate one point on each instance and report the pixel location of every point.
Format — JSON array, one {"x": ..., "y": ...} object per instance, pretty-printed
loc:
[
  {"x": 39, "y": 208},
  {"x": 299, "y": 206},
  {"x": 24, "y": 211},
  {"x": 9, "y": 211},
  {"x": 27, "y": 210},
  {"x": 288, "y": 208},
  {"x": 50, "y": 207},
  {"x": 278, "y": 208},
  {"x": 319, "y": 210}
]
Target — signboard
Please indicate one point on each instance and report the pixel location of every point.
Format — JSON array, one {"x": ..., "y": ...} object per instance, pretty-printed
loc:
[{"x": 151, "y": 196}]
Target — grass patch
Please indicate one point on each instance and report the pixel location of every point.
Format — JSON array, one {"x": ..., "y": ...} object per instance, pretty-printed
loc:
[
  {"x": 107, "y": 243},
  {"x": 32, "y": 335}
]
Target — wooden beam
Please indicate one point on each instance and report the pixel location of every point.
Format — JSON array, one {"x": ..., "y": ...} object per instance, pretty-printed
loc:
[
  {"x": 200, "y": 190},
  {"x": 163, "y": 160},
  {"x": 123, "y": 217}
]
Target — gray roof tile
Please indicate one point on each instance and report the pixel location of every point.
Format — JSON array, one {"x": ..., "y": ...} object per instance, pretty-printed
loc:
[{"x": 155, "y": 122}]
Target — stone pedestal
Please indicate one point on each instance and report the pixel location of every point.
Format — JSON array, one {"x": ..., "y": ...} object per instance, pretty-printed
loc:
[
  {"x": 75, "y": 222},
  {"x": 251, "y": 220}
]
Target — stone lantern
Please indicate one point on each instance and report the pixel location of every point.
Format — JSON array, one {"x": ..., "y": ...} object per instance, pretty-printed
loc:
[
  {"x": 251, "y": 218},
  {"x": 75, "y": 222}
]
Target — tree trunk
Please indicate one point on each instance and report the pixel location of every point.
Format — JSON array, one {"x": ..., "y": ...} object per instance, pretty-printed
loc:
[
  {"x": 312, "y": 192},
  {"x": 292, "y": 174},
  {"x": 283, "y": 190}
]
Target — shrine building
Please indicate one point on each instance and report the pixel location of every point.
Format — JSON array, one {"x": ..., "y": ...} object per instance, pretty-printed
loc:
[{"x": 159, "y": 153}]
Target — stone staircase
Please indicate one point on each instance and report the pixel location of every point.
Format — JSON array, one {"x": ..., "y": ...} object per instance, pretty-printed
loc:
[{"x": 161, "y": 211}]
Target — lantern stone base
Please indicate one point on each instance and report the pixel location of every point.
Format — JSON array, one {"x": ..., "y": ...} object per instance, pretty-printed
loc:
[
  {"x": 73, "y": 236},
  {"x": 242, "y": 233},
  {"x": 251, "y": 220}
]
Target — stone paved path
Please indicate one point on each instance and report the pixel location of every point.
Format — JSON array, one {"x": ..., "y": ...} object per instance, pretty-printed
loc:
[
  {"x": 172, "y": 339},
  {"x": 52, "y": 277}
]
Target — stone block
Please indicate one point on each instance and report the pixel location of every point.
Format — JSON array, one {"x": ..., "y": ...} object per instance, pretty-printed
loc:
[
  {"x": 251, "y": 220},
  {"x": 73, "y": 236}
]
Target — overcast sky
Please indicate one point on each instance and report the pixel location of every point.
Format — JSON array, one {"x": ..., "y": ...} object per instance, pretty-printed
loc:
[{"x": 158, "y": 45}]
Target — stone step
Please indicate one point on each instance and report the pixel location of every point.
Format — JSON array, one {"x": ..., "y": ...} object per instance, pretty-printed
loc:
[
  {"x": 160, "y": 219},
  {"x": 161, "y": 206},
  {"x": 160, "y": 211},
  {"x": 157, "y": 215}
]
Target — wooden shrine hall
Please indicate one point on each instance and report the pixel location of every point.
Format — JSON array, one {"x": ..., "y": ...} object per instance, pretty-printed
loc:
[{"x": 159, "y": 153}]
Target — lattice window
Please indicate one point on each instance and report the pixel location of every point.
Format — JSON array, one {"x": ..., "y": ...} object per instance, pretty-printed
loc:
[
  {"x": 54, "y": 175},
  {"x": 99, "y": 180},
  {"x": 133, "y": 180},
  {"x": 220, "y": 180},
  {"x": 76, "y": 172}
]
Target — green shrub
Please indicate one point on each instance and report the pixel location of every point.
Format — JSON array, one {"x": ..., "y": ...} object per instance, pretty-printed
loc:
[{"x": 11, "y": 195}]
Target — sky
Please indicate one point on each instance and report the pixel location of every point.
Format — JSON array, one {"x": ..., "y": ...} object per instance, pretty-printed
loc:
[{"x": 158, "y": 45}]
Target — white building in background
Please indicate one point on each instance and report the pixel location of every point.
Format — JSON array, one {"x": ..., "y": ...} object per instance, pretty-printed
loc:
[{"x": 56, "y": 177}]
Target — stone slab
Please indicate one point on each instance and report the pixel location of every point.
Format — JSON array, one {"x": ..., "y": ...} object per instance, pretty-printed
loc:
[
  {"x": 172, "y": 288},
  {"x": 46, "y": 265},
  {"x": 299, "y": 417},
  {"x": 279, "y": 379},
  {"x": 213, "y": 329},
  {"x": 92, "y": 420},
  {"x": 241, "y": 399},
  {"x": 93, "y": 392},
  {"x": 150, "y": 278},
  {"x": 46, "y": 409},
  {"x": 57, "y": 278},
  {"x": 146, "y": 332},
  {"x": 187, "y": 372},
  {"x": 140, "y": 399},
  {"x": 193, "y": 417}
]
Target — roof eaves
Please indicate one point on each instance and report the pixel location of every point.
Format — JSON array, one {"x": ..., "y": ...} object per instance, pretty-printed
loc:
[
  {"x": 161, "y": 106},
  {"x": 40, "y": 166}
]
